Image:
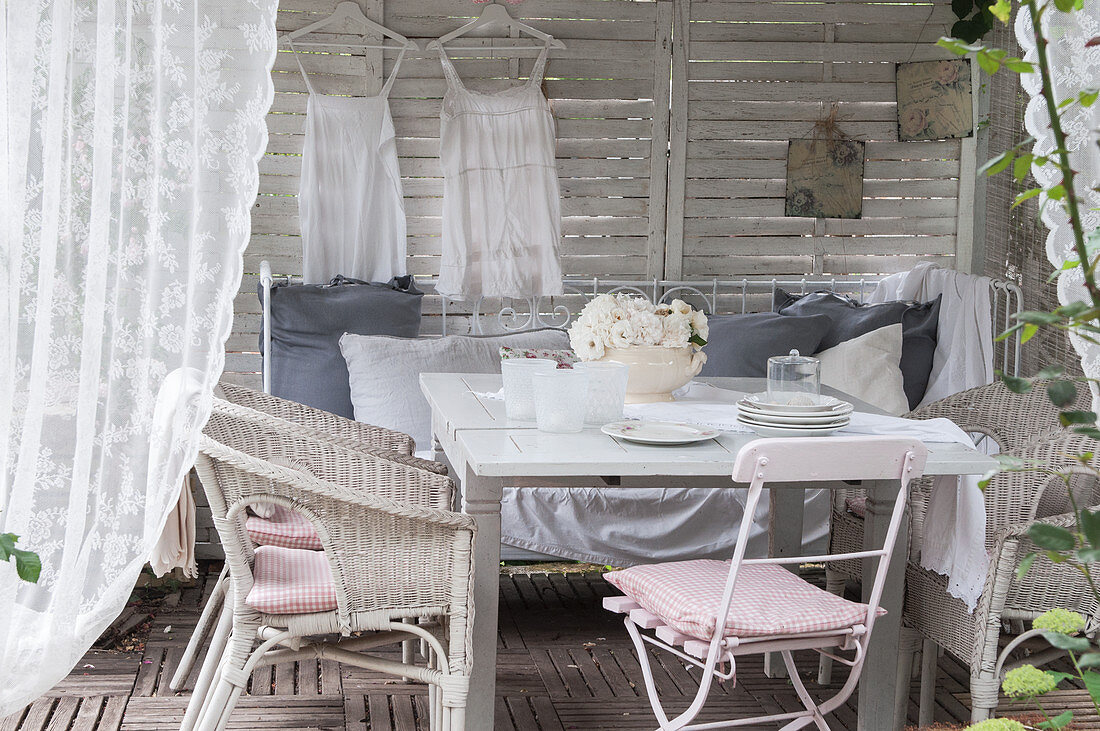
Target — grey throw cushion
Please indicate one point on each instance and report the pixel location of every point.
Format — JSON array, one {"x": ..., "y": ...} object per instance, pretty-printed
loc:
[
  {"x": 919, "y": 324},
  {"x": 740, "y": 345},
  {"x": 385, "y": 372},
  {"x": 307, "y": 321}
]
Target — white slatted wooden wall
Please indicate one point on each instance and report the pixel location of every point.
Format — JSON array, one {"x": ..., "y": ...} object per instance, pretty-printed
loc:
[
  {"x": 688, "y": 189},
  {"x": 758, "y": 73}
]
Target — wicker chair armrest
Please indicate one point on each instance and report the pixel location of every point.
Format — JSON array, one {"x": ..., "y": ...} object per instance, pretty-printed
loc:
[
  {"x": 1012, "y": 498},
  {"x": 357, "y": 431},
  {"x": 1020, "y": 530}
]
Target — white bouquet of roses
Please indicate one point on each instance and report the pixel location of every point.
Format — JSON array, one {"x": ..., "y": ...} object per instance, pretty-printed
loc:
[{"x": 621, "y": 320}]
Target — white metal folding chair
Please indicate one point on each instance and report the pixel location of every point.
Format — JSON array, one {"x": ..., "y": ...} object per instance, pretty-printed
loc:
[{"x": 709, "y": 613}]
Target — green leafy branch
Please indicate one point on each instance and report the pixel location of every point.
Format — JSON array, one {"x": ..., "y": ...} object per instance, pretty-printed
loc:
[{"x": 27, "y": 564}]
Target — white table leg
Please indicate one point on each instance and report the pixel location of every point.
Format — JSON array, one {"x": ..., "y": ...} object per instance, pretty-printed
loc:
[
  {"x": 876, "y": 710},
  {"x": 481, "y": 500},
  {"x": 787, "y": 503}
]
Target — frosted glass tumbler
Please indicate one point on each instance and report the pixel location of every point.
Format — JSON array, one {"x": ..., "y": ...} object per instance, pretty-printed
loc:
[
  {"x": 606, "y": 391},
  {"x": 519, "y": 398},
  {"x": 559, "y": 400}
]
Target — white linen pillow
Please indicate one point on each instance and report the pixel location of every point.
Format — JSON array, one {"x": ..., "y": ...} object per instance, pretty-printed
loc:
[
  {"x": 868, "y": 367},
  {"x": 384, "y": 372}
]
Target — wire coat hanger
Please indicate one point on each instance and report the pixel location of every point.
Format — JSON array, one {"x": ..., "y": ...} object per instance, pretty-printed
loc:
[
  {"x": 496, "y": 15},
  {"x": 350, "y": 12}
]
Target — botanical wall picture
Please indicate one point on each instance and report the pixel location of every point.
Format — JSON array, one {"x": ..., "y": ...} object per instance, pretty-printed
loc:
[
  {"x": 825, "y": 178},
  {"x": 934, "y": 100}
]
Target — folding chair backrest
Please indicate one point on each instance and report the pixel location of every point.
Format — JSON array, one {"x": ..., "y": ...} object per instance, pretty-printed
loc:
[{"x": 823, "y": 459}]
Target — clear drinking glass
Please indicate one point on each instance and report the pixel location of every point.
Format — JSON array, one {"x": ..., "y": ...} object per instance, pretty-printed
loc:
[
  {"x": 559, "y": 400},
  {"x": 519, "y": 397},
  {"x": 606, "y": 391},
  {"x": 794, "y": 379}
]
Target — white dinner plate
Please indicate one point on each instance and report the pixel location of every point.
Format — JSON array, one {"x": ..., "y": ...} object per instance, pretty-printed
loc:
[
  {"x": 786, "y": 417},
  {"x": 659, "y": 432},
  {"x": 772, "y": 430},
  {"x": 825, "y": 403},
  {"x": 798, "y": 427},
  {"x": 795, "y": 419}
]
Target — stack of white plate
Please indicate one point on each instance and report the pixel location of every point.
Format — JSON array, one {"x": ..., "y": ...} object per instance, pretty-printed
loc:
[{"x": 825, "y": 416}]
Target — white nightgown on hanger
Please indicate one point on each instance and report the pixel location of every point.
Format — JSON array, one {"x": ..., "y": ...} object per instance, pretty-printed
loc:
[
  {"x": 501, "y": 203},
  {"x": 350, "y": 203}
]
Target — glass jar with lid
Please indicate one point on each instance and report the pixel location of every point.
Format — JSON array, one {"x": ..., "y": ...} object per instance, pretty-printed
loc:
[{"x": 794, "y": 379}]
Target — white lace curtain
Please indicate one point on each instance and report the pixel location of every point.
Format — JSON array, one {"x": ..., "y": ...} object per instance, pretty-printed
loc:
[
  {"x": 129, "y": 136},
  {"x": 1074, "y": 68}
]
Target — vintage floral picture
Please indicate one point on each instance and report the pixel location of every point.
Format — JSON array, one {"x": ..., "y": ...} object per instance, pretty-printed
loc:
[
  {"x": 825, "y": 178},
  {"x": 934, "y": 101}
]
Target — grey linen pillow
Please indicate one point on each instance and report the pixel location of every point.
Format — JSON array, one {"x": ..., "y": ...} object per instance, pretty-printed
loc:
[
  {"x": 385, "y": 372},
  {"x": 919, "y": 324},
  {"x": 740, "y": 345},
  {"x": 307, "y": 321}
]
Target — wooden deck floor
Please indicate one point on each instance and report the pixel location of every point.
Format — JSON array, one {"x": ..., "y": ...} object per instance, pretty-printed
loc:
[{"x": 564, "y": 664}]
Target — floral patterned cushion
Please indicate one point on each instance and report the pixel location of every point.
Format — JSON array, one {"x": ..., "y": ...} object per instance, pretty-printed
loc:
[
  {"x": 767, "y": 600},
  {"x": 564, "y": 358}
]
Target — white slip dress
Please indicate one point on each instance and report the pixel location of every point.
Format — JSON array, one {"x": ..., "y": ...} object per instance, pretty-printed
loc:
[
  {"x": 501, "y": 202},
  {"x": 350, "y": 204}
]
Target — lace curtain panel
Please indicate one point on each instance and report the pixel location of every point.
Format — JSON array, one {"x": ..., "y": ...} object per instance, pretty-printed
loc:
[
  {"x": 130, "y": 132},
  {"x": 1074, "y": 68}
]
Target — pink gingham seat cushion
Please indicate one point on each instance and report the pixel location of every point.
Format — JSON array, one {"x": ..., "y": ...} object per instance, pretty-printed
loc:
[
  {"x": 767, "y": 600},
  {"x": 291, "y": 581},
  {"x": 857, "y": 506},
  {"x": 284, "y": 528}
]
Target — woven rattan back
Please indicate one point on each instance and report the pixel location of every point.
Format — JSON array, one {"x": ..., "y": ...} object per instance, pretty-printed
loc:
[
  {"x": 366, "y": 434},
  {"x": 374, "y": 471},
  {"x": 349, "y": 440}
]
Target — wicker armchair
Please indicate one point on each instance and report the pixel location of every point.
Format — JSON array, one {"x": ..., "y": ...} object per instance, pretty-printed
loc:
[
  {"x": 1014, "y": 502},
  {"x": 383, "y": 562},
  {"x": 1011, "y": 420},
  {"x": 239, "y": 426}
]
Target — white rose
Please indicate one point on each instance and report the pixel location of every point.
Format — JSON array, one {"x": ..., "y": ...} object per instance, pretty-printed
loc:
[
  {"x": 680, "y": 307},
  {"x": 621, "y": 335},
  {"x": 676, "y": 332},
  {"x": 699, "y": 323},
  {"x": 586, "y": 344},
  {"x": 599, "y": 306},
  {"x": 650, "y": 328}
]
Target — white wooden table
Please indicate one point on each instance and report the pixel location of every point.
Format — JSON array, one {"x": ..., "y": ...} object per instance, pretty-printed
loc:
[{"x": 487, "y": 451}]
